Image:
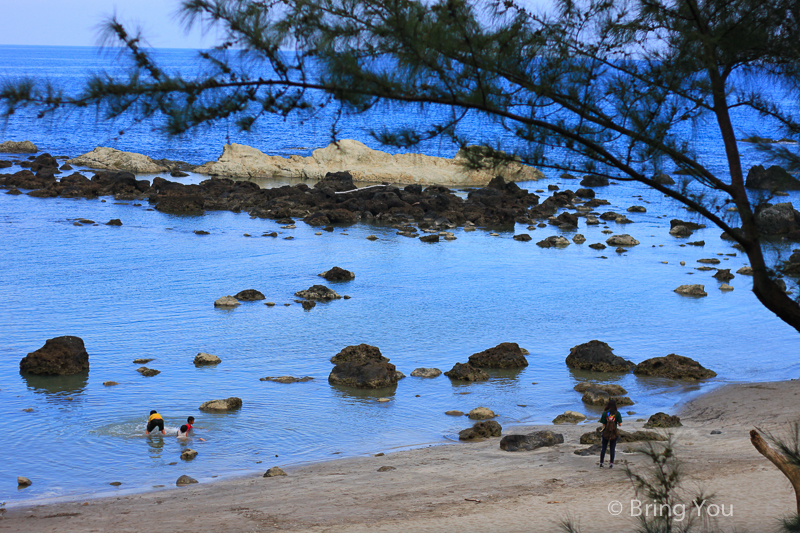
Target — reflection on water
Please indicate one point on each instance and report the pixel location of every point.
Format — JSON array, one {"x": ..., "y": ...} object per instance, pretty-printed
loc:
[
  {"x": 56, "y": 385},
  {"x": 362, "y": 395},
  {"x": 155, "y": 444}
]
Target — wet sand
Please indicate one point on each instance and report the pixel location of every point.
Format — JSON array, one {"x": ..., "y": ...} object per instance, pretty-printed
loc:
[{"x": 470, "y": 486}]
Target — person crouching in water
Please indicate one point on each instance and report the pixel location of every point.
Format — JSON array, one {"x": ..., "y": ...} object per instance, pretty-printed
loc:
[
  {"x": 611, "y": 420},
  {"x": 155, "y": 421}
]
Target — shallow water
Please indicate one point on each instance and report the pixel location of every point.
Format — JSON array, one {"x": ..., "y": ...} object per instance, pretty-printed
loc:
[{"x": 146, "y": 289}]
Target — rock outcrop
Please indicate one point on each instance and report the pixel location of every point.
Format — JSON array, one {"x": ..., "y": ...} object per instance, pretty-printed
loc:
[
  {"x": 229, "y": 404},
  {"x": 663, "y": 420},
  {"x": 504, "y": 355},
  {"x": 364, "y": 367},
  {"x": 111, "y": 159},
  {"x": 481, "y": 430},
  {"x": 773, "y": 178},
  {"x": 674, "y": 367},
  {"x": 531, "y": 441},
  {"x": 205, "y": 359},
  {"x": 18, "y": 147},
  {"x": 364, "y": 164},
  {"x": 337, "y": 274},
  {"x": 318, "y": 292},
  {"x": 60, "y": 356},
  {"x": 597, "y": 356},
  {"x": 466, "y": 372},
  {"x": 778, "y": 219},
  {"x": 249, "y": 295}
]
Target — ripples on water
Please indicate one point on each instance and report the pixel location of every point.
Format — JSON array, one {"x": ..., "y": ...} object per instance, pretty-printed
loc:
[{"x": 146, "y": 290}]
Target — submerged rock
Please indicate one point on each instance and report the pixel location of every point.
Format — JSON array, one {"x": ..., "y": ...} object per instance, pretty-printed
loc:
[
  {"x": 287, "y": 379},
  {"x": 597, "y": 356},
  {"x": 504, "y": 355},
  {"x": 531, "y": 441},
  {"x": 674, "y": 367},
  {"x": 60, "y": 356}
]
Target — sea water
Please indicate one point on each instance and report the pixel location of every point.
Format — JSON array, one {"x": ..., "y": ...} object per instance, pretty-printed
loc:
[{"x": 146, "y": 290}]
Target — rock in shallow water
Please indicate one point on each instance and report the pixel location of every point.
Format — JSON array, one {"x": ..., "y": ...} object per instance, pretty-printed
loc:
[
  {"x": 185, "y": 480},
  {"x": 481, "y": 413},
  {"x": 228, "y": 404},
  {"x": 60, "y": 356},
  {"x": 426, "y": 372},
  {"x": 504, "y": 355},
  {"x": 466, "y": 372},
  {"x": 481, "y": 430},
  {"x": 188, "y": 454},
  {"x": 226, "y": 301},
  {"x": 673, "y": 366},
  {"x": 691, "y": 290},
  {"x": 274, "y": 472},
  {"x": 204, "y": 359},
  {"x": 24, "y": 482},
  {"x": 337, "y": 274},
  {"x": 318, "y": 292},
  {"x": 597, "y": 356}
]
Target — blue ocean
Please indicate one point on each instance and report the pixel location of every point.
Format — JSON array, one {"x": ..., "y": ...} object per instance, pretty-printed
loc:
[{"x": 146, "y": 290}]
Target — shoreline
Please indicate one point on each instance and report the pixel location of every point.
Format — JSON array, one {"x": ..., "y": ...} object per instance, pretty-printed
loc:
[{"x": 434, "y": 488}]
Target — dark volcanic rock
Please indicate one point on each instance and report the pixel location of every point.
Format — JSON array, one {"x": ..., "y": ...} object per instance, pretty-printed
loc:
[
  {"x": 466, "y": 372},
  {"x": 674, "y": 367},
  {"x": 663, "y": 420},
  {"x": 771, "y": 179},
  {"x": 60, "y": 356},
  {"x": 724, "y": 274},
  {"x": 429, "y": 238},
  {"x": 249, "y": 295},
  {"x": 523, "y": 237},
  {"x": 481, "y": 430},
  {"x": 531, "y": 441},
  {"x": 338, "y": 274},
  {"x": 504, "y": 355},
  {"x": 597, "y": 356},
  {"x": 690, "y": 225},
  {"x": 363, "y": 367},
  {"x": 114, "y": 222}
]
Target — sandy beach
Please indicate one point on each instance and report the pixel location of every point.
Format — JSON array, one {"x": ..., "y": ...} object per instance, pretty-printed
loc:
[{"x": 470, "y": 486}]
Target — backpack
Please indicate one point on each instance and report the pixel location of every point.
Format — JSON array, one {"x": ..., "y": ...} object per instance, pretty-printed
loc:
[{"x": 610, "y": 429}]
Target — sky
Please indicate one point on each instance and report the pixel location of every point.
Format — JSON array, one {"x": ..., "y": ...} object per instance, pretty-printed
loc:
[{"x": 76, "y": 22}]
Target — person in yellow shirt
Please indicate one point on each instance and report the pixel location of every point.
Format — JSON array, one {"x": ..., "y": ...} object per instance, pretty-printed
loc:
[{"x": 155, "y": 421}]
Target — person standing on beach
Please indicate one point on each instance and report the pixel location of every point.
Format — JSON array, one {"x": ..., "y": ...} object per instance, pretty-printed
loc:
[
  {"x": 611, "y": 420},
  {"x": 155, "y": 421}
]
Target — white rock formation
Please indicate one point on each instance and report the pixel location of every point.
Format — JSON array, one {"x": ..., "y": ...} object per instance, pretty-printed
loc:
[
  {"x": 365, "y": 164},
  {"x": 110, "y": 159}
]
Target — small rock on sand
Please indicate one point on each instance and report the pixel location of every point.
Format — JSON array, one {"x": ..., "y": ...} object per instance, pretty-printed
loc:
[
  {"x": 274, "y": 472},
  {"x": 569, "y": 417},
  {"x": 386, "y": 468}
]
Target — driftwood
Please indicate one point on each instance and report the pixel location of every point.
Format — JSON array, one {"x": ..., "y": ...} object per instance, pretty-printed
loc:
[
  {"x": 363, "y": 188},
  {"x": 791, "y": 471}
]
